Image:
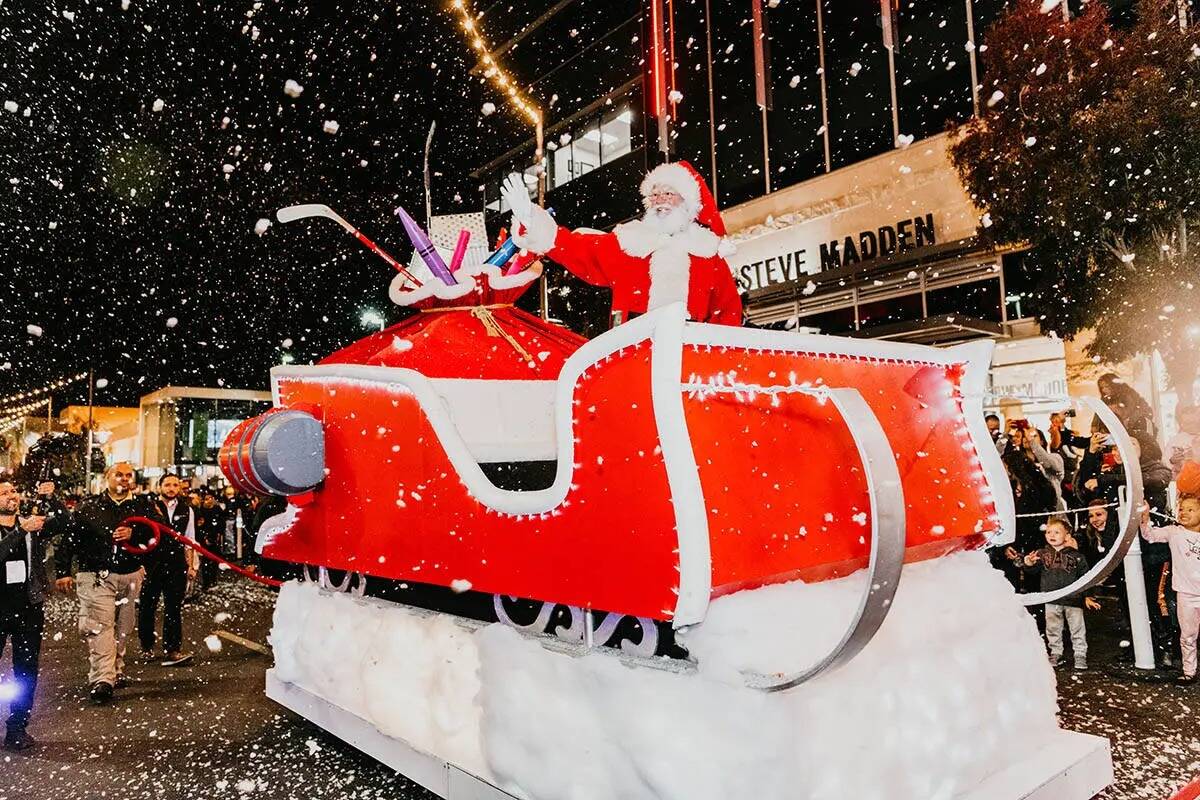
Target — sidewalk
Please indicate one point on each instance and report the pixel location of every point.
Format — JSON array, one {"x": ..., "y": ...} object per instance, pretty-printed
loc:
[{"x": 206, "y": 732}]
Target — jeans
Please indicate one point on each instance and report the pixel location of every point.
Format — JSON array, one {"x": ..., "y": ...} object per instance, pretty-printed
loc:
[
  {"x": 27, "y": 646},
  {"x": 1056, "y": 615}
]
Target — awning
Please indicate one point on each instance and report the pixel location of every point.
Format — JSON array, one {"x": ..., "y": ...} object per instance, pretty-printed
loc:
[{"x": 939, "y": 330}]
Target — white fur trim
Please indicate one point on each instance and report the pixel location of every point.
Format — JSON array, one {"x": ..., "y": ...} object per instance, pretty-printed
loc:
[
  {"x": 727, "y": 247},
  {"x": 639, "y": 239},
  {"x": 678, "y": 178},
  {"x": 540, "y": 231},
  {"x": 670, "y": 275},
  {"x": 403, "y": 293},
  {"x": 670, "y": 257}
]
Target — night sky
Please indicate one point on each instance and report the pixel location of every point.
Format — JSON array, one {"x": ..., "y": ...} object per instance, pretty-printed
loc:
[{"x": 129, "y": 232}]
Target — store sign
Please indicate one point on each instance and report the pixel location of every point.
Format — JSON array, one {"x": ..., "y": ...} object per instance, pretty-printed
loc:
[{"x": 808, "y": 248}]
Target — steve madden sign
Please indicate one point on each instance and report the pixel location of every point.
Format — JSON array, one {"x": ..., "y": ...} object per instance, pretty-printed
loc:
[{"x": 811, "y": 247}]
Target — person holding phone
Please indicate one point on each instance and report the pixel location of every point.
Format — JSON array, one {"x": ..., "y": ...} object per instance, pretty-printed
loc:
[
  {"x": 109, "y": 577},
  {"x": 22, "y": 597}
]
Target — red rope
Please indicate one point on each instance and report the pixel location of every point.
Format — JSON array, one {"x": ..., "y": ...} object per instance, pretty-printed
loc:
[
  {"x": 158, "y": 528},
  {"x": 1189, "y": 792}
]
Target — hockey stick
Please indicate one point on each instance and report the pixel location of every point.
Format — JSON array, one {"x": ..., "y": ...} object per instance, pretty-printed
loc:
[{"x": 293, "y": 213}]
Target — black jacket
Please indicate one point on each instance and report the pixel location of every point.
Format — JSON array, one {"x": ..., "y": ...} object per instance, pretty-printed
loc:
[
  {"x": 170, "y": 552},
  {"x": 56, "y": 523},
  {"x": 1060, "y": 568},
  {"x": 89, "y": 536}
]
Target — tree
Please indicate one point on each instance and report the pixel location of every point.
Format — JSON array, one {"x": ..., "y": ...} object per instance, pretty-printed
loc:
[{"x": 1087, "y": 151}]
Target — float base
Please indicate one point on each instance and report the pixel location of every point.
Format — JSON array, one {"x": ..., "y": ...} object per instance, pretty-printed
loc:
[{"x": 1073, "y": 766}]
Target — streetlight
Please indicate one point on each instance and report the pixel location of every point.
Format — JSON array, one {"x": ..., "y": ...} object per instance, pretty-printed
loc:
[{"x": 370, "y": 317}]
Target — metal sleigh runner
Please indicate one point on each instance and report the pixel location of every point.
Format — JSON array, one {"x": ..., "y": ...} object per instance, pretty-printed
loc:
[{"x": 674, "y": 465}]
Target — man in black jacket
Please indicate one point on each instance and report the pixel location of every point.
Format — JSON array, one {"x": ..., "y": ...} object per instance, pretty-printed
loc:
[
  {"x": 109, "y": 578},
  {"x": 168, "y": 569},
  {"x": 22, "y": 594}
]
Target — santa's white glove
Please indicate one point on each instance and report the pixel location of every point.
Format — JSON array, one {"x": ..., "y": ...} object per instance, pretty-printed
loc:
[{"x": 532, "y": 227}]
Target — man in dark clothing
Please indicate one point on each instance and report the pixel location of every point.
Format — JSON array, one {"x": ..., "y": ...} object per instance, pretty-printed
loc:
[
  {"x": 210, "y": 528},
  {"x": 168, "y": 569},
  {"x": 22, "y": 595},
  {"x": 109, "y": 578}
]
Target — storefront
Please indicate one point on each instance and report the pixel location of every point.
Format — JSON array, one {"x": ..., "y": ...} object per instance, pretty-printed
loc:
[
  {"x": 888, "y": 248},
  {"x": 181, "y": 429}
]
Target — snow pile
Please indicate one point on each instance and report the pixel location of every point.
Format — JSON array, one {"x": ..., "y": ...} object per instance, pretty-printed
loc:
[
  {"x": 956, "y": 676},
  {"x": 413, "y": 676}
]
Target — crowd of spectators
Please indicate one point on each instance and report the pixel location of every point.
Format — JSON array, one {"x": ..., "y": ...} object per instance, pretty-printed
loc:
[
  {"x": 1067, "y": 486},
  {"x": 99, "y": 556}
]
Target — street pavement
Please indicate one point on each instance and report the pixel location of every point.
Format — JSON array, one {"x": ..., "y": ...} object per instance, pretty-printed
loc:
[{"x": 207, "y": 732}]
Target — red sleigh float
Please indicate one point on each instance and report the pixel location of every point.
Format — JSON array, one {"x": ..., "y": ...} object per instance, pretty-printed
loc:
[{"x": 692, "y": 460}]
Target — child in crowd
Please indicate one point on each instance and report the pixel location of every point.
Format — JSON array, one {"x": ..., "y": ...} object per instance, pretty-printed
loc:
[
  {"x": 1060, "y": 565},
  {"x": 1184, "y": 540}
]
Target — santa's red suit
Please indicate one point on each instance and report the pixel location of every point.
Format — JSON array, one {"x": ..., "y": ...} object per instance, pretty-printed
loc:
[{"x": 646, "y": 267}]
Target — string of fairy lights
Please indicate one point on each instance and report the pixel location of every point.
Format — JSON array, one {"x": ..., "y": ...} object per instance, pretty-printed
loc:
[
  {"x": 492, "y": 68},
  {"x": 16, "y": 407},
  {"x": 47, "y": 389}
]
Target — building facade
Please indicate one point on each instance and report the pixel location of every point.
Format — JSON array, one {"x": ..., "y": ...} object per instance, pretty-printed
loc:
[{"x": 821, "y": 127}]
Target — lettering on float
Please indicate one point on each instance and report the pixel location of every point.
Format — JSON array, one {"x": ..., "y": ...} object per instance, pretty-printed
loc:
[
  {"x": 795, "y": 262},
  {"x": 907, "y": 234}
]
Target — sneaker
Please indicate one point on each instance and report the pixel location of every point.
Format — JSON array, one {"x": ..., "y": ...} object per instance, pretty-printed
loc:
[
  {"x": 1185, "y": 680},
  {"x": 176, "y": 658},
  {"x": 18, "y": 741},
  {"x": 1081, "y": 666},
  {"x": 101, "y": 693}
]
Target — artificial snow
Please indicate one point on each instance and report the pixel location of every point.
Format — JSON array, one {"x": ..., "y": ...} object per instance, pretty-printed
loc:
[
  {"x": 11, "y": 106},
  {"x": 158, "y": 105},
  {"x": 292, "y": 89},
  {"x": 956, "y": 676},
  {"x": 330, "y": 126},
  {"x": 261, "y": 226}
]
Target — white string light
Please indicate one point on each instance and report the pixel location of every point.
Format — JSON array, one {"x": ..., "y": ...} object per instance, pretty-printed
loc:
[
  {"x": 51, "y": 387},
  {"x": 727, "y": 383},
  {"x": 493, "y": 70},
  {"x": 18, "y": 413}
]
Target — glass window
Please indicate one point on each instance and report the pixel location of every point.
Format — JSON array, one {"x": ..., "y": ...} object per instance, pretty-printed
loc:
[
  {"x": 857, "y": 77},
  {"x": 831, "y": 322},
  {"x": 933, "y": 67},
  {"x": 886, "y": 312},
  {"x": 980, "y": 300},
  {"x": 616, "y": 134},
  {"x": 737, "y": 120},
  {"x": 797, "y": 147}
]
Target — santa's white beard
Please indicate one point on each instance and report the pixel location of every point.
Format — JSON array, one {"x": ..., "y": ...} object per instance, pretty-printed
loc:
[{"x": 667, "y": 219}]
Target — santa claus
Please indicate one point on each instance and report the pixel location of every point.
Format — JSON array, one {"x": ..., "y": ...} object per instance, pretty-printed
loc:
[{"x": 673, "y": 254}]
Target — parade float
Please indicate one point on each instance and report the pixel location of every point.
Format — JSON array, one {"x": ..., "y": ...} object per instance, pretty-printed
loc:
[{"x": 678, "y": 560}]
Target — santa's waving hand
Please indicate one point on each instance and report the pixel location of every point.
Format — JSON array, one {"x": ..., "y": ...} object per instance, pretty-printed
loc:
[{"x": 673, "y": 254}]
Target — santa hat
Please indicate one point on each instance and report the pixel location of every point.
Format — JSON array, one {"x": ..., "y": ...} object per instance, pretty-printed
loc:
[{"x": 683, "y": 178}]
